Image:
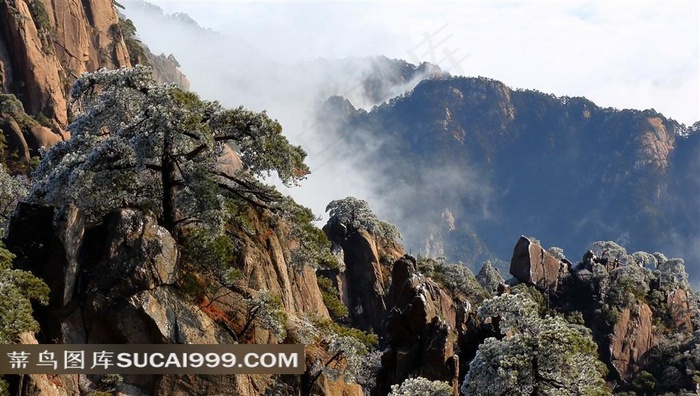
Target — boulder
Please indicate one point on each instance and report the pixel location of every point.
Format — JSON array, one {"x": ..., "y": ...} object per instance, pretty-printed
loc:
[
  {"x": 138, "y": 254},
  {"x": 534, "y": 265},
  {"x": 176, "y": 320},
  {"x": 489, "y": 278},
  {"x": 15, "y": 137}
]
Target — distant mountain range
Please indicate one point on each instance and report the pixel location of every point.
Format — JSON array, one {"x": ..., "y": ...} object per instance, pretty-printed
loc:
[{"x": 468, "y": 164}]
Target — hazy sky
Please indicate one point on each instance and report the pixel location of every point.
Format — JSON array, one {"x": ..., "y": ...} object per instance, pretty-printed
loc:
[{"x": 617, "y": 53}]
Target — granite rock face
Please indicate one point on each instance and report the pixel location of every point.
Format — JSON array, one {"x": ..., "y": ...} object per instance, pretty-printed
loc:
[
  {"x": 117, "y": 282},
  {"x": 533, "y": 265},
  {"x": 420, "y": 326},
  {"x": 46, "y": 45},
  {"x": 631, "y": 338}
]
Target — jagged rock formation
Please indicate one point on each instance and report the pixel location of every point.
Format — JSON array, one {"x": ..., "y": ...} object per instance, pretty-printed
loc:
[
  {"x": 166, "y": 69},
  {"x": 365, "y": 280},
  {"x": 490, "y": 279},
  {"x": 630, "y": 309},
  {"x": 420, "y": 324},
  {"x": 534, "y": 265},
  {"x": 44, "y": 47},
  {"x": 558, "y": 167},
  {"x": 118, "y": 282},
  {"x": 123, "y": 279}
]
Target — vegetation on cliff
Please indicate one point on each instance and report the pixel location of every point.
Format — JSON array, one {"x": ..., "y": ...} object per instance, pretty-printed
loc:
[{"x": 155, "y": 215}]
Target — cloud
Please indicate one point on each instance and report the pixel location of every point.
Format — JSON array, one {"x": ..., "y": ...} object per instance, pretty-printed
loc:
[
  {"x": 242, "y": 70},
  {"x": 619, "y": 54},
  {"x": 268, "y": 56}
]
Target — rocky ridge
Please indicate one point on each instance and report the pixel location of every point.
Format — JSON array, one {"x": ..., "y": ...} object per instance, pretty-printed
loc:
[
  {"x": 523, "y": 160},
  {"x": 44, "y": 47},
  {"x": 124, "y": 278}
]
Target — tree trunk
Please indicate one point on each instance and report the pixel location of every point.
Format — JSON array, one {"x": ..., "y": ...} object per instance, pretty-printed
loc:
[{"x": 168, "y": 175}]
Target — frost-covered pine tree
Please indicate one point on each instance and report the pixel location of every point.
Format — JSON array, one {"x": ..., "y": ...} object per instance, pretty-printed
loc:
[
  {"x": 420, "y": 386},
  {"x": 535, "y": 356},
  {"x": 12, "y": 190},
  {"x": 138, "y": 143},
  {"x": 356, "y": 214}
]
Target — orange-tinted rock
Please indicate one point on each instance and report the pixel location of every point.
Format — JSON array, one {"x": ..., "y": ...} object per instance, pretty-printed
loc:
[
  {"x": 534, "y": 265},
  {"x": 15, "y": 138},
  {"x": 681, "y": 312},
  {"x": 41, "y": 136},
  {"x": 631, "y": 338},
  {"x": 41, "y": 55},
  {"x": 266, "y": 266},
  {"x": 33, "y": 62}
]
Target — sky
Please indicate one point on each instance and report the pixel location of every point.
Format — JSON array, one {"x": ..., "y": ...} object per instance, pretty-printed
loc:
[
  {"x": 264, "y": 56},
  {"x": 618, "y": 54}
]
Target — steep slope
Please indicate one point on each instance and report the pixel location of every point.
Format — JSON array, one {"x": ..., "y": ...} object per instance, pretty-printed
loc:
[
  {"x": 123, "y": 280},
  {"x": 44, "y": 46},
  {"x": 499, "y": 162}
]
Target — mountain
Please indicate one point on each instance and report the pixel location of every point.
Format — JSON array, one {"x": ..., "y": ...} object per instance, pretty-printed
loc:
[
  {"x": 480, "y": 164},
  {"x": 44, "y": 47},
  {"x": 138, "y": 225}
]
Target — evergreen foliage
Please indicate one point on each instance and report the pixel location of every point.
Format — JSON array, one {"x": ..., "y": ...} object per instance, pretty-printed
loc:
[
  {"x": 346, "y": 351},
  {"x": 420, "y": 386},
  {"x": 542, "y": 356},
  {"x": 269, "y": 312},
  {"x": 455, "y": 278},
  {"x": 18, "y": 289},
  {"x": 356, "y": 214},
  {"x": 331, "y": 299},
  {"x": 213, "y": 253},
  {"x": 138, "y": 143},
  {"x": 12, "y": 190}
]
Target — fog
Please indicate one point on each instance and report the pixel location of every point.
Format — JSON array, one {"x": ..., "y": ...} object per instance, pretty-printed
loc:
[
  {"x": 231, "y": 70},
  {"x": 288, "y": 58},
  {"x": 619, "y": 54}
]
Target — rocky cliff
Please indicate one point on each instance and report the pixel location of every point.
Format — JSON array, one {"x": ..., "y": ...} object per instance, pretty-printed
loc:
[
  {"x": 370, "y": 316},
  {"x": 631, "y": 302},
  {"x": 497, "y": 159},
  {"x": 44, "y": 47},
  {"x": 123, "y": 280}
]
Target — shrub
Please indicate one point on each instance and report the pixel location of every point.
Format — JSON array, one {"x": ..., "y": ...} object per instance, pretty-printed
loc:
[
  {"x": 331, "y": 299},
  {"x": 455, "y": 278},
  {"x": 355, "y": 214},
  {"x": 17, "y": 288},
  {"x": 535, "y": 355},
  {"x": 420, "y": 386}
]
